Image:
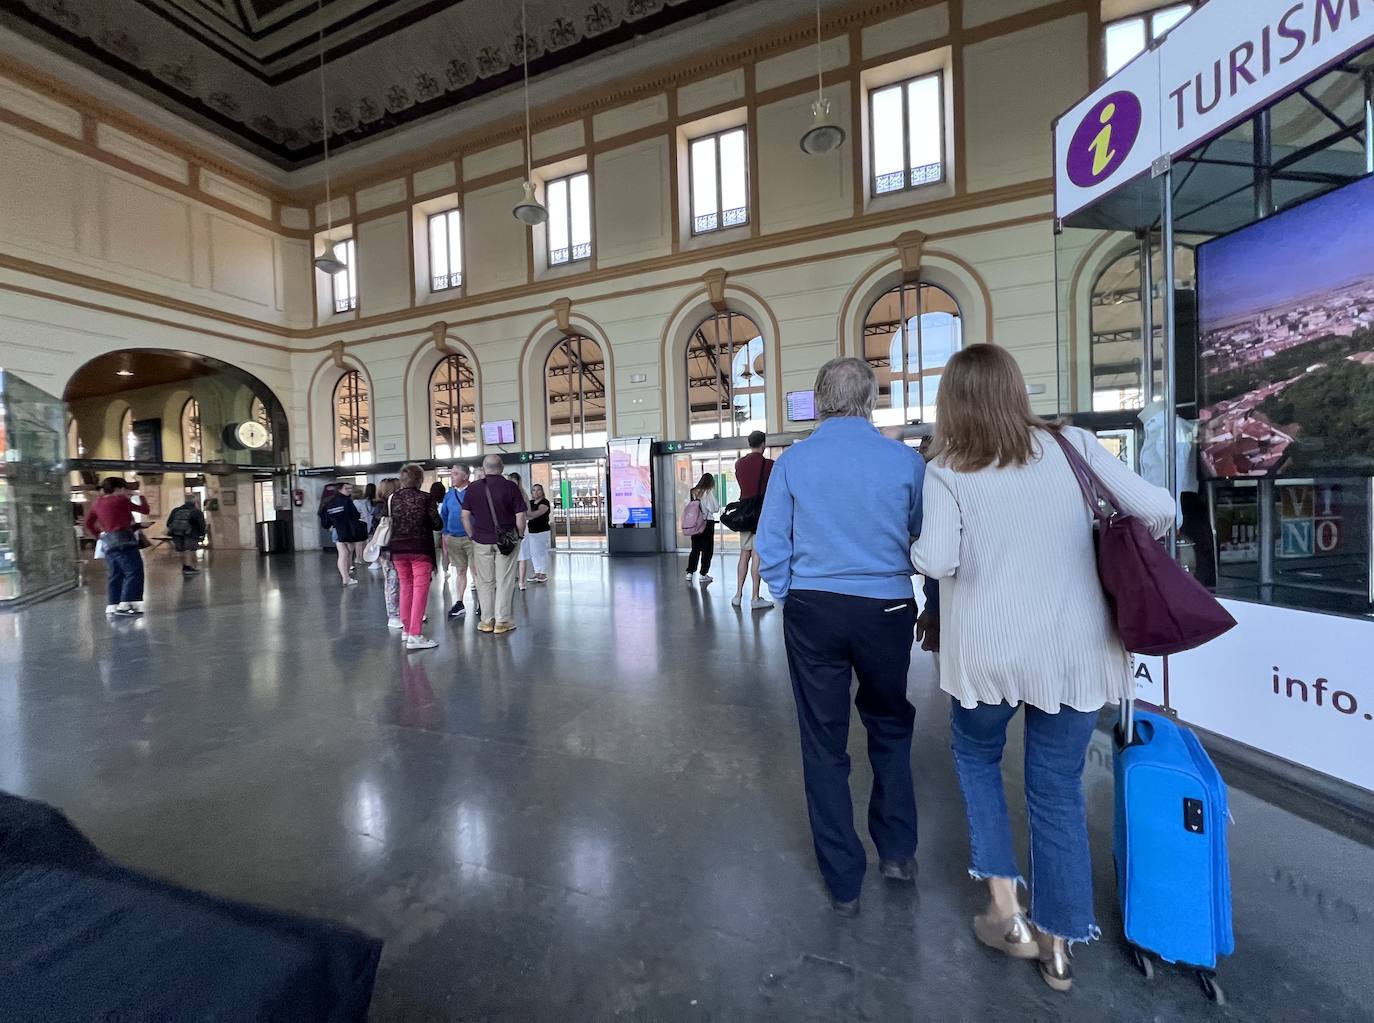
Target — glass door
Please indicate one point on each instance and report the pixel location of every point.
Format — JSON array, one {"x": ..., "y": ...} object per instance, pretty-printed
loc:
[
  {"x": 688, "y": 468},
  {"x": 577, "y": 491}
]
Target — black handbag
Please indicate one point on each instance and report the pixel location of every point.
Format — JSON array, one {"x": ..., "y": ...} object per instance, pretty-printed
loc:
[
  {"x": 743, "y": 516},
  {"x": 507, "y": 540}
]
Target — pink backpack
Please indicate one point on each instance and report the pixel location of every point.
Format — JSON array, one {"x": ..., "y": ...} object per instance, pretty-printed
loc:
[{"x": 693, "y": 521}]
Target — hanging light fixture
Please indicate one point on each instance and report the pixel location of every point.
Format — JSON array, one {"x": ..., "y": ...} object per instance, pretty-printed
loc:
[
  {"x": 329, "y": 263},
  {"x": 824, "y": 135},
  {"x": 528, "y": 210}
]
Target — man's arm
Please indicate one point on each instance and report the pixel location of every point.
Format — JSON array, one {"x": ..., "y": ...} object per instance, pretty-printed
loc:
[
  {"x": 521, "y": 518},
  {"x": 467, "y": 522},
  {"x": 773, "y": 542}
]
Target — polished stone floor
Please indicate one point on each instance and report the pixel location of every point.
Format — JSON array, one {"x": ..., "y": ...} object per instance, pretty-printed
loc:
[{"x": 598, "y": 817}]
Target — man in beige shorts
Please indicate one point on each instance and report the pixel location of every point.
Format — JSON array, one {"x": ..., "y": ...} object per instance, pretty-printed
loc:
[
  {"x": 751, "y": 475},
  {"x": 457, "y": 543}
]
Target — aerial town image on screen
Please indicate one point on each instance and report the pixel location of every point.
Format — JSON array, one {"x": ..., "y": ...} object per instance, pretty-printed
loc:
[{"x": 1286, "y": 311}]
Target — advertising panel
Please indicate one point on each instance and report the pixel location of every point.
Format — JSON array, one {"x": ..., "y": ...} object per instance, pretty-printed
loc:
[
  {"x": 1296, "y": 684},
  {"x": 631, "y": 482}
]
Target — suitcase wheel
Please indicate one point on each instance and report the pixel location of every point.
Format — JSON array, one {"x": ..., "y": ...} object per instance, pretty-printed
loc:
[
  {"x": 1211, "y": 988},
  {"x": 1143, "y": 963}
]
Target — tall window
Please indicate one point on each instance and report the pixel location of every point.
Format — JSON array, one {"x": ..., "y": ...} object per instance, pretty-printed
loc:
[
  {"x": 352, "y": 432},
  {"x": 720, "y": 181},
  {"x": 907, "y": 134},
  {"x": 575, "y": 394},
  {"x": 453, "y": 408},
  {"x": 569, "y": 202},
  {"x": 1126, "y": 38},
  {"x": 257, "y": 411},
  {"x": 126, "y": 433},
  {"x": 446, "y": 250},
  {"x": 909, "y": 335},
  {"x": 725, "y": 378},
  {"x": 192, "y": 442},
  {"x": 346, "y": 280}
]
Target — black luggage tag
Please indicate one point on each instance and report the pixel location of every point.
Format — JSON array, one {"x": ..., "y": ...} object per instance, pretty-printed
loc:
[{"x": 1193, "y": 819}]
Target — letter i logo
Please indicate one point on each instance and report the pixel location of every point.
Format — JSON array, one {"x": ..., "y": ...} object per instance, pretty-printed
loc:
[{"x": 1104, "y": 138}]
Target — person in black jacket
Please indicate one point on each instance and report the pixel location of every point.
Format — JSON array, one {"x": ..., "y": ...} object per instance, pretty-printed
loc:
[
  {"x": 186, "y": 527},
  {"x": 340, "y": 516}
]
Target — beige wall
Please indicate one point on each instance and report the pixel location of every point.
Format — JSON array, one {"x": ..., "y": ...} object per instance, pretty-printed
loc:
[{"x": 121, "y": 240}]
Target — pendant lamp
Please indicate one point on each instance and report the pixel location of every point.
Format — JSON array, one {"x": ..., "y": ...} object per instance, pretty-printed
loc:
[
  {"x": 824, "y": 135},
  {"x": 329, "y": 263},
  {"x": 528, "y": 210}
]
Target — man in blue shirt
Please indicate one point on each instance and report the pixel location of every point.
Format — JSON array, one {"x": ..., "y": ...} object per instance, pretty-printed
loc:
[
  {"x": 457, "y": 544},
  {"x": 834, "y": 540}
]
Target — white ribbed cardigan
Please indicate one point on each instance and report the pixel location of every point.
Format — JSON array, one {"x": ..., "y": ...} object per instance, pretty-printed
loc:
[{"x": 1022, "y": 614}]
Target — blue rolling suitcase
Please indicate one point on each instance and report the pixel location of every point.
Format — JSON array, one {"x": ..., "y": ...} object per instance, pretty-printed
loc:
[{"x": 1172, "y": 874}]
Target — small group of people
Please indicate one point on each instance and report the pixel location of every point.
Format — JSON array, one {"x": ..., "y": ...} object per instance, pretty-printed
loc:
[
  {"x": 752, "y": 472},
  {"x": 484, "y": 526},
  {"x": 1020, "y": 625},
  {"x": 120, "y": 540}
]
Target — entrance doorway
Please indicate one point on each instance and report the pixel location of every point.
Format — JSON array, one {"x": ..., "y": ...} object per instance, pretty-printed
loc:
[
  {"x": 577, "y": 490},
  {"x": 272, "y": 515},
  {"x": 688, "y": 468}
]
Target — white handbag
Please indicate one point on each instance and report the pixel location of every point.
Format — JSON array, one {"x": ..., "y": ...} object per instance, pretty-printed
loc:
[{"x": 381, "y": 536}]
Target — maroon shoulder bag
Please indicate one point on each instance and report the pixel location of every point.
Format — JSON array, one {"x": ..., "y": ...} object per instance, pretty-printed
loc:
[{"x": 1158, "y": 607}]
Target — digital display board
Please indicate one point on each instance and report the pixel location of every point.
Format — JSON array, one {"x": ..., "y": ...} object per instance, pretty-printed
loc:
[
  {"x": 631, "y": 482},
  {"x": 801, "y": 406},
  {"x": 500, "y": 432}
]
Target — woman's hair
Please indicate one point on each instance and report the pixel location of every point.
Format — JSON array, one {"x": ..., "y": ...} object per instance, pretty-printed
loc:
[
  {"x": 514, "y": 477},
  {"x": 112, "y": 483},
  {"x": 436, "y": 489},
  {"x": 411, "y": 476},
  {"x": 387, "y": 487},
  {"x": 982, "y": 414},
  {"x": 370, "y": 493},
  {"x": 707, "y": 482}
]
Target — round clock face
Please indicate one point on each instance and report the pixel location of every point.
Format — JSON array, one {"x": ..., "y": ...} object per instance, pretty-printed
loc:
[{"x": 252, "y": 434}]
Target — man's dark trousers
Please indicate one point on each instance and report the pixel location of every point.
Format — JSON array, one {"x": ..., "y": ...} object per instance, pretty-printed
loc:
[{"x": 830, "y": 637}]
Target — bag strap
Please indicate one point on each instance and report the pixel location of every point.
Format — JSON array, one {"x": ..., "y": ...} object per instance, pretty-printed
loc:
[
  {"x": 1094, "y": 491},
  {"x": 486, "y": 490}
]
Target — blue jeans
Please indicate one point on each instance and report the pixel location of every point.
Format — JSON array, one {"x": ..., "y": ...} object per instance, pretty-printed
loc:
[
  {"x": 1061, "y": 876},
  {"x": 125, "y": 579},
  {"x": 831, "y": 638}
]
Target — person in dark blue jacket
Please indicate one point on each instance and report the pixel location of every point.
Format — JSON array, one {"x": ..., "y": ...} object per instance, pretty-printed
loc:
[{"x": 340, "y": 516}]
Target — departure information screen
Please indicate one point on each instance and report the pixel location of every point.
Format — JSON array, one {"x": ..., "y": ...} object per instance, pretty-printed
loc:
[{"x": 801, "y": 406}]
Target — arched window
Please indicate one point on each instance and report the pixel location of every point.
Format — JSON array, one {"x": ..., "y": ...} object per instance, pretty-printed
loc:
[
  {"x": 575, "y": 393},
  {"x": 192, "y": 443},
  {"x": 725, "y": 378},
  {"x": 453, "y": 408},
  {"x": 1117, "y": 351},
  {"x": 126, "y": 433},
  {"x": 352, "y": 432},
  {"x": 257, "y": 411},
  {"x": 909, "y": 335}
]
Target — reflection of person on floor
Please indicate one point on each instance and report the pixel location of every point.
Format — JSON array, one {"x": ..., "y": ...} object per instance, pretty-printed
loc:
[
  {"x": 186, "y": 527},
  {"x": 112, "y": 517}
]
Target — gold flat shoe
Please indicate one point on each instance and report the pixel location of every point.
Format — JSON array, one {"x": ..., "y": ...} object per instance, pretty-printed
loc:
[
  {"x": 1011, "y": 935},
  {"x": 1054, "y": 968},
  {"x": 486, "y": 626}
]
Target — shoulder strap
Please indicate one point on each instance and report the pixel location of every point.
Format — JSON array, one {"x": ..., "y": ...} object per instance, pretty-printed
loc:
[
  {"x": 1094, "y": 492},
  {"x": 496, "y": 525}
]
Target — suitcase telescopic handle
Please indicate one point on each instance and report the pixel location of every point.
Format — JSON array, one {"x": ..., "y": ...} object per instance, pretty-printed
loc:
[{"x": 1127, "y": 722}]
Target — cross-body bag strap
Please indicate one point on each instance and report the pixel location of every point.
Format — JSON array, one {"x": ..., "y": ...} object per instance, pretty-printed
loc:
[
  {"x": 495, "y": 523},
  {"x": 1094, "y": 492}
]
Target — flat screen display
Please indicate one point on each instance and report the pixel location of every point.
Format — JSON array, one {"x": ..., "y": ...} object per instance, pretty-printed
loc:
[
  {"x": 631, "y": 482},
  {"x": 1286, "y": 342},
  {"x": 500, "y": 432},
  {"x": 801, "y": 406}
]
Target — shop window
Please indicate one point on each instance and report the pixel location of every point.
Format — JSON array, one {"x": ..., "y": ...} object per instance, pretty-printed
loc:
[
  {"x": 569, "y": 202},
  {"x": 192, "y": 440},
  {"x": 352, "y": 429},
  {"x": 453, "y": 408},
  {"x": 445, "y": 250},
  {"x": 720, "y": 181},
  {"x": 910, "y": 333},
  {"x": 1124, "y": 39},
  {"x": 907, "y": 134},
  {"x": 126, "y": 433},
  {"x": 257, "y": 411},
  {"x": 726, "y": 386},
  {"x": 345, "y": 282},
  {"x": 575, "y": 394}
]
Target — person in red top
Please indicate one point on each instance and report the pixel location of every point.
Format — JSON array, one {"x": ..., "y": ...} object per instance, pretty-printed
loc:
[
  {"x": 751, "y": 475},
  {"x": 112, "y": 516}
]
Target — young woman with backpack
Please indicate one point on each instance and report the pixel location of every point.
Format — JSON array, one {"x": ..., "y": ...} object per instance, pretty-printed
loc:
[{"x": 699, "y": 522}]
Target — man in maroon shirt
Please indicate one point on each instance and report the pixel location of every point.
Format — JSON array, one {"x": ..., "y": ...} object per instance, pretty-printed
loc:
[
  {"x": 492, "y": 505},
  {"x": 112, "y": 516},
  {"x": 751, "y": 474}
]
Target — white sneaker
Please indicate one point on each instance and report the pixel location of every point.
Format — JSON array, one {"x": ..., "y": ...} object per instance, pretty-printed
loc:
[
  {"x": 376, "y": 566},
  {"x": 111, "y": 608},
  {"x": 125, "y": 610},
  {"x": 420, "y": 643},
  {"x": 736, "y": 600},
  {"x": 691, "y": 576},
  {"x": 394, "y": 623},
  {"x": 136, "y": 606},
  {"x": 351, "y": 582},
  {"x": 706, "y": 578},
  {"x": 759, "y": 603}
]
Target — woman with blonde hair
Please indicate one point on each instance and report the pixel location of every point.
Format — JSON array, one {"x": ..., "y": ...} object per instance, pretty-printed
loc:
[{"x": 1025, "y": 626}]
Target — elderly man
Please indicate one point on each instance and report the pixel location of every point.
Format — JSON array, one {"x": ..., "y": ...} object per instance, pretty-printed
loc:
[
  {"x": 493, "y": 506},
  {"x": 836, "y": 551},
  {"x": 457, "y": 543}
]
